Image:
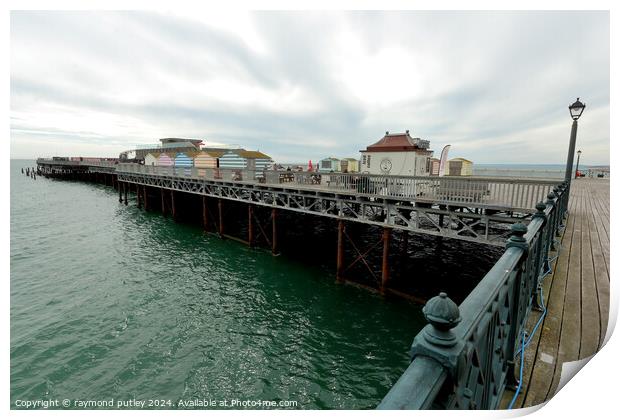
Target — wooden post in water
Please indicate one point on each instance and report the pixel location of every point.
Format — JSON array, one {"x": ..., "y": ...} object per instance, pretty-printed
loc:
[
  {"x": 250, "y": 226},
  {"x": 125, "y": 190},
  {"x": 385, "y": 267},
  {"x": 274, "y": 232},
  {"x": 220, "y": 212},
  {"x": 163, "y": 201},
  {"x": 340, "y": 251},
  {"x": 120, "y": 194},
  {"x": 205, "y": 214}
]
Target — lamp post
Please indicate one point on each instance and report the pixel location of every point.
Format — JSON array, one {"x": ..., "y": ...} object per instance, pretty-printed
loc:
[
  {"x": 576, "y": 109},
  {"x": 577, "y": 168}
]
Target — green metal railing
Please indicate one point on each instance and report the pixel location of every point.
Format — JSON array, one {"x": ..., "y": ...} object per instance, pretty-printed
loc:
[{"x": 465, "y": 357}]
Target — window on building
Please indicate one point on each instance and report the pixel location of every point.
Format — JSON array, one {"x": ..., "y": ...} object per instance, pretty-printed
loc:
[{"x": 368, "y": 161}]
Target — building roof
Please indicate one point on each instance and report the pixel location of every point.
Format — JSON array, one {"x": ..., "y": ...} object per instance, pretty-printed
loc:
[
  {"x": 398, "y": 142},
  {"x": 331, "y": 158},
  {"x": 170, "y": 140},
  {"x": 252, "y": 154},
  {"x": 350, "y": 159},
  {"x": 460, "y": 160}
]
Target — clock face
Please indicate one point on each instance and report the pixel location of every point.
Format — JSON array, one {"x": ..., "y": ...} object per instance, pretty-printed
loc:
[{"x": 386, "y": 165}]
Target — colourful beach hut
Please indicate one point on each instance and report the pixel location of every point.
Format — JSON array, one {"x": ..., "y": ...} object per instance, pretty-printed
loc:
[
  {"x": 349, "y": 165},
  {"x": 205, "y": 160},
  {"x": 184, "y": 160},
  {"x": 151, "y": 159},
  {"x": 166, "y": 159},
  {"x": 329, "y": 164}
]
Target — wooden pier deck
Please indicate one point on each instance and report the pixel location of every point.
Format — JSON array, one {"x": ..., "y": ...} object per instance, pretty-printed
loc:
[{"x": 576, "y": 295}]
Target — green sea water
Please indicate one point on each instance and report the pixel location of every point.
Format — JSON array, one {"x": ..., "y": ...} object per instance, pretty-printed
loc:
[{"x": 110, "y": 302}]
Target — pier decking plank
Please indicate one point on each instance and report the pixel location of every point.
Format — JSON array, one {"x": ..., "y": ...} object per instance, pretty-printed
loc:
[{"x": 576, "y": 295}]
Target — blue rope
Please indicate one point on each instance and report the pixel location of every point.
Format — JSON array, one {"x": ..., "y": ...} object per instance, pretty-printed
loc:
[
  {"x": 525, "y": 343},
  {"x": 520, "y": 374}
]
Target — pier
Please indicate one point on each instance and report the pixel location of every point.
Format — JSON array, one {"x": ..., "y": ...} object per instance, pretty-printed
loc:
[
  {"x": 576, "y": 296},
  {"x": 556, "y": 262},
  {"x": 547, "y": 298}
]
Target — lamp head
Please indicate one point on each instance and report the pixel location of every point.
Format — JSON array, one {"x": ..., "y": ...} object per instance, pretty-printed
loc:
[{"x": 576, "y": 109}]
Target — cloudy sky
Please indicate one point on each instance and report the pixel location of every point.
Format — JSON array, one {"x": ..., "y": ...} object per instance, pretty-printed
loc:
[{"x": 305, "y": 85}]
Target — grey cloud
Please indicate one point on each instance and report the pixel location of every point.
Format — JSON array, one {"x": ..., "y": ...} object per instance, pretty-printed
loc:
[{"x": 504, "y": 73}]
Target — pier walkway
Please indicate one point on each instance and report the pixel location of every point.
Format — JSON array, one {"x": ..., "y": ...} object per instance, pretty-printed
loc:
[
  {"x": 464, "y": 208},
  {"x": 576, "y": 295}
]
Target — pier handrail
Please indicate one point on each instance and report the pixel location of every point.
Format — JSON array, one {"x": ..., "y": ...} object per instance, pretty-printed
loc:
[
  {"x": 465, "y": 357},
  {"x": 513, "y": 194}
]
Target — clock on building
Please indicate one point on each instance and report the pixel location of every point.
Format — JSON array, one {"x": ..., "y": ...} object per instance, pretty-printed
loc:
[{"x": 386, "y": 165}]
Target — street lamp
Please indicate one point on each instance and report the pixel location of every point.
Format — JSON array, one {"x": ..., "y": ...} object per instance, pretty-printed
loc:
[
  {"x": 576, "y": 109},
  {"x": 577, "y": 168}
]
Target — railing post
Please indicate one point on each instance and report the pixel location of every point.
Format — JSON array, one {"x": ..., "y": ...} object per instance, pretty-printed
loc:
[
  {"x": 517, "y": 240},
  {"x": 555, "y": 219},
  {"x": 437, "y": 341},
  {"x": 541, "y": 260}
]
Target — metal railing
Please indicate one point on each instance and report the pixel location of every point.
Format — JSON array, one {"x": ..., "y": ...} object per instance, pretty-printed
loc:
[
  {"x": 520, "y": 194},
  {"x": 101, "y": 163},
  {"x": 465, "y": 357},
  {"x": 514, "y": 194}
]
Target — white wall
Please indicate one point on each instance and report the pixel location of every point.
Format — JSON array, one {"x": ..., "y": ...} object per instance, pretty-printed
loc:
[{"x": 403, "y": 163}]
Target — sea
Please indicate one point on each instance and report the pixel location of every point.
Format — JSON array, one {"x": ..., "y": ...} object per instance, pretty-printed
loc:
[{"x": 110, "y": 304}]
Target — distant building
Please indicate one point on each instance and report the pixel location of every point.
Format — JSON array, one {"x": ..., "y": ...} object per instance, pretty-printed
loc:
[
  {"x": 329, "y": 164},
  {"x": 349, "y": 165},
  {"x": 172, "y": 144},
  {"x": 460, "y": 167},
  {"x": 397, "y": 154},
  {"x": 434, "y": 166}
]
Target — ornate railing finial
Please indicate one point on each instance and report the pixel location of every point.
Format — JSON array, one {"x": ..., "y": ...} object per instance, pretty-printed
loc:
[
  {"x": 540, "y": 210},
  {"x": 442, "y": 314},
  {"x": 517, "y": 239}
]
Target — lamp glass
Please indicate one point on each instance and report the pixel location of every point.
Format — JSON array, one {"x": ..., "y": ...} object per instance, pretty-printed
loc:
[{"x": 576, "y": 109}]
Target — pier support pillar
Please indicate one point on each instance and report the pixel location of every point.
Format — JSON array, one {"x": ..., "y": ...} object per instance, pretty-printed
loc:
[
  {"x": 125, "y": 190},
  {"x": 405, "y": 244},
  {"x": 340, "y": 251},
  {"x": 274, "y": 232},
  {"x": 173, "y": 204},
  {"x": 163, "y": 201},
  {"x": 205, "y": 214},
  {"x": 138, "y": 198},
  {"x": 250, "y": 226},
  {"x": 120, "y": 194},
  {"x": 220, "y": 212},
  {"x": 146, "y": 198},
  {"x": 385, "y": 267}
]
